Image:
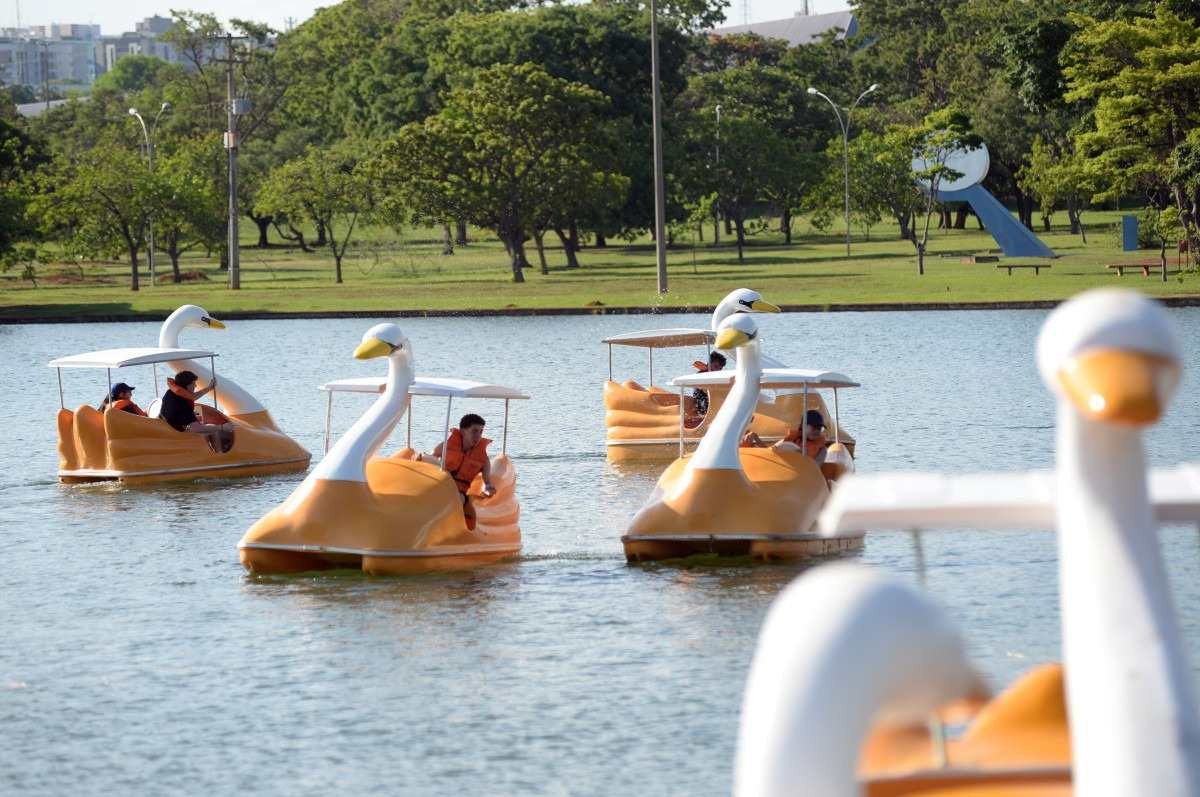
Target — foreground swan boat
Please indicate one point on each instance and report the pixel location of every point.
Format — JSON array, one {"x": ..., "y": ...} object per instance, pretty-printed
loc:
[
  {"x": 389, "y": 515},
  {"x": 641, "y": 421},
  {"x": 759, "y": 502},
  {"x": 119, "y": 446},
  {"x": 1124, "y": 720}
]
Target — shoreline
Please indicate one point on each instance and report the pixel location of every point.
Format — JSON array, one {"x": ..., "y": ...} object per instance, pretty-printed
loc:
[{"x": 519, "y": 312}]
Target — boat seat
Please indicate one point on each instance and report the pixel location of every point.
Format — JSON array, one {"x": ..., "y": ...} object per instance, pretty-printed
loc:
[
  {"x": 155, "y": 408},
  {"x": 632, "y": 385}
]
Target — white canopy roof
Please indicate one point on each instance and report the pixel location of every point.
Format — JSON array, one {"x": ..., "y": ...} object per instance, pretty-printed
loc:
[
  {"x": 1005, "y": 500},
  {"x": 120, "y": 358},
  {"x": 771, "y": 378},
  {"x": 427, "y": 386},
  {"x": 664, "y": 338}
]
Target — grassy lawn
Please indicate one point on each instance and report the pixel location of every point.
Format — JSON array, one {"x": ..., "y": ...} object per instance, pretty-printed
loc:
[{"x": 385, "y": 271}]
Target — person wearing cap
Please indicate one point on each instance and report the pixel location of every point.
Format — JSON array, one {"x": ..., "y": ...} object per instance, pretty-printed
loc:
[
  {"x": 811, "y": 434},
  {"x": 121, "y": 398}
]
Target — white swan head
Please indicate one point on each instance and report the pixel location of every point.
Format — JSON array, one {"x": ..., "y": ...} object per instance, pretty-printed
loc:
[
  {"x": 742, "y": 300},
  {"x": 193, "y": 316},
  {"x": 383, "y": 340},
  {"x": 736, "y": 331},
  {"x": 1113, "y": 354},
  {"x": 876, "y": 651}
]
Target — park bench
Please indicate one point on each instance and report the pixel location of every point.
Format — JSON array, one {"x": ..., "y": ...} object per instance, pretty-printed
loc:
[
  {"x": 1145, "y": 265},
  {"x": 1037, "y": 267}
]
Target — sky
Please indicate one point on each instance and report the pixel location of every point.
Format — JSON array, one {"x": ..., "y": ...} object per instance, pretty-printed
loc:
[{"x": 117, "y": 17}]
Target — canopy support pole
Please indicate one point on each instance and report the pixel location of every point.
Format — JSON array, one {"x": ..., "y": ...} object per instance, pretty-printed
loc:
[
  {"x": 610, "y": 378},
  {"x": 408, "y": 417},
  {"x": 61, "y": 401},
  {"x": 212, "y": 369},
  {"x": 155, "y": 367},
  {"x": 804, "y": 423},
  {"x": 504, "y": 433},
  {"x": 328, "y": 419},
  {"x": 446, "y": 433},
  {"x": 681, "y": 421},
  {"x": 109, "y": 372},
  {"x": 837, "y": 421},
  {"x": 651, "y": 350}
]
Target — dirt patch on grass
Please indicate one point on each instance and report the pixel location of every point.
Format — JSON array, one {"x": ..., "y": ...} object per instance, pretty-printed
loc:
[{"x": 184, "y": 276}]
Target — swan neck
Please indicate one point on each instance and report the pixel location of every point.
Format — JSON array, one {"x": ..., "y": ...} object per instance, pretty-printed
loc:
[
  {"x": 347, "y": 460},
  {"x": 719, "y": 447},
  {"x": 1130, "y": 695}
]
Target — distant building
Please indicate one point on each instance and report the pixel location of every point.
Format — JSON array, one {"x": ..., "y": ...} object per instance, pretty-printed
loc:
[
  {"x": 71, "y": 56},
  {"x": 799, "y": 29}
]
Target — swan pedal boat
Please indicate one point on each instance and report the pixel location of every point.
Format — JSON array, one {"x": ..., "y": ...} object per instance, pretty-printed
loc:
[
  {"x": 390, "y": 515},
  {"x": 1119, "y": 717},
  {"x": 734, "y": 501},
  {"x": 95, "y": 446},
  {"x": 640, "y": 421}
]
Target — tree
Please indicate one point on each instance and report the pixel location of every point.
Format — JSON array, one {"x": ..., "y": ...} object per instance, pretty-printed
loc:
[
  {"x": 943, "y": 134},
  {"x": 100, "y": 203},
  {"x": 136, "y": 73},
  {"x": 496, "y": 150},
  {"x": 326, "y": 186},
  {"x": 1054, "y": 177},
  {"x": 1143, "y": 76},
  {"x": 20, "y": 155},
  {"x": 187, "y": 207}
]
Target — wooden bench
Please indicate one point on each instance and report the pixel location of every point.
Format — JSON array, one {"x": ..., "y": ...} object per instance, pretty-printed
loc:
[
  {"x": 1145, "y": 265},
  {"x": 1037, "y": 267}
]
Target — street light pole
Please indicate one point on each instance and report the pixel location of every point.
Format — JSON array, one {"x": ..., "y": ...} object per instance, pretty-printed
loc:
[
  {"x": 147, "y": 137},
  {"x": 660, "y": 200},
  {"x": 845, "y": 125}
]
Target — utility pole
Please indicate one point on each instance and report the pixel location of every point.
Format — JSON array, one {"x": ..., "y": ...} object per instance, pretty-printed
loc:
[
  {"x": 660, "y": 201},
  {"x": 235, "y": 108}
]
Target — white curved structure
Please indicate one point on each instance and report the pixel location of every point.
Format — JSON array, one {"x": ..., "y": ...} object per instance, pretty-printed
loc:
[
  {"x": 1112, "y": 359},
  {"x": 868, "y": 649},
  {"x": 236, "y": 399},
  {"x": 347, "y": 460}
]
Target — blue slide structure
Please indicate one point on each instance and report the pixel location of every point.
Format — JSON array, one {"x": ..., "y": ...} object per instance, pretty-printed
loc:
[{"x": 1015, "y": 239}]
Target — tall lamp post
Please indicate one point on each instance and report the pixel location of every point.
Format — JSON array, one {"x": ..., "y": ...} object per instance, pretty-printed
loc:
[
  {"x": 148, "y": 138},
  {"x": 844, "y": 123},
  {"x": 660, "y": 200}
]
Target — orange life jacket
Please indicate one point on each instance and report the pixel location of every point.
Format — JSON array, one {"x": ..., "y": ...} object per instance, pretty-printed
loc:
[
  {"x": 811, "y": 447},
  {"x": 464, "y": 465},
  {"x": 128, "y": 406},
  {"x": 181, "y": 391}
]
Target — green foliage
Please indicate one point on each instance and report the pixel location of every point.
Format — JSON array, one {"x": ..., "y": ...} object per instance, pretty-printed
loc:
[
  {"x": 325, "y": 186},
  {"x": 99, "y": 204},
  {"x": 502, "y": 154},
  {"x": 137, "y": 73}
]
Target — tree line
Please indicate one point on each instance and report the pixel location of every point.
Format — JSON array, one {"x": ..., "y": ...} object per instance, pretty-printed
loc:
[{"x": 532, "y": 120}]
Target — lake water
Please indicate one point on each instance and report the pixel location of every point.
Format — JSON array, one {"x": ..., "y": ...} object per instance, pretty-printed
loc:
[{"x": 139, "y": 657}]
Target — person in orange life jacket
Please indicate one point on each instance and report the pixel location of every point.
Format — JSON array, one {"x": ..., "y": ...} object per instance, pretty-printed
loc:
[
  {"x": 179, "y": 409},
  {"x": 716, "y": 362},
  {"x": 813, "y": 432},
  {"x": 465, "y": 457},
  {"x": 121, "y": 398}
]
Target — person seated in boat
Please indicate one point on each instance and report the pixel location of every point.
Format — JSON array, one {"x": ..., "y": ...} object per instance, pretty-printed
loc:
[
  {"x": 179, "y": 410},
  {"x": 716, "y": 362},
  {"x": 465, "y": 457},
  {"x": 120, "y": 398},
  {"x": 811, "y": 435}
]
